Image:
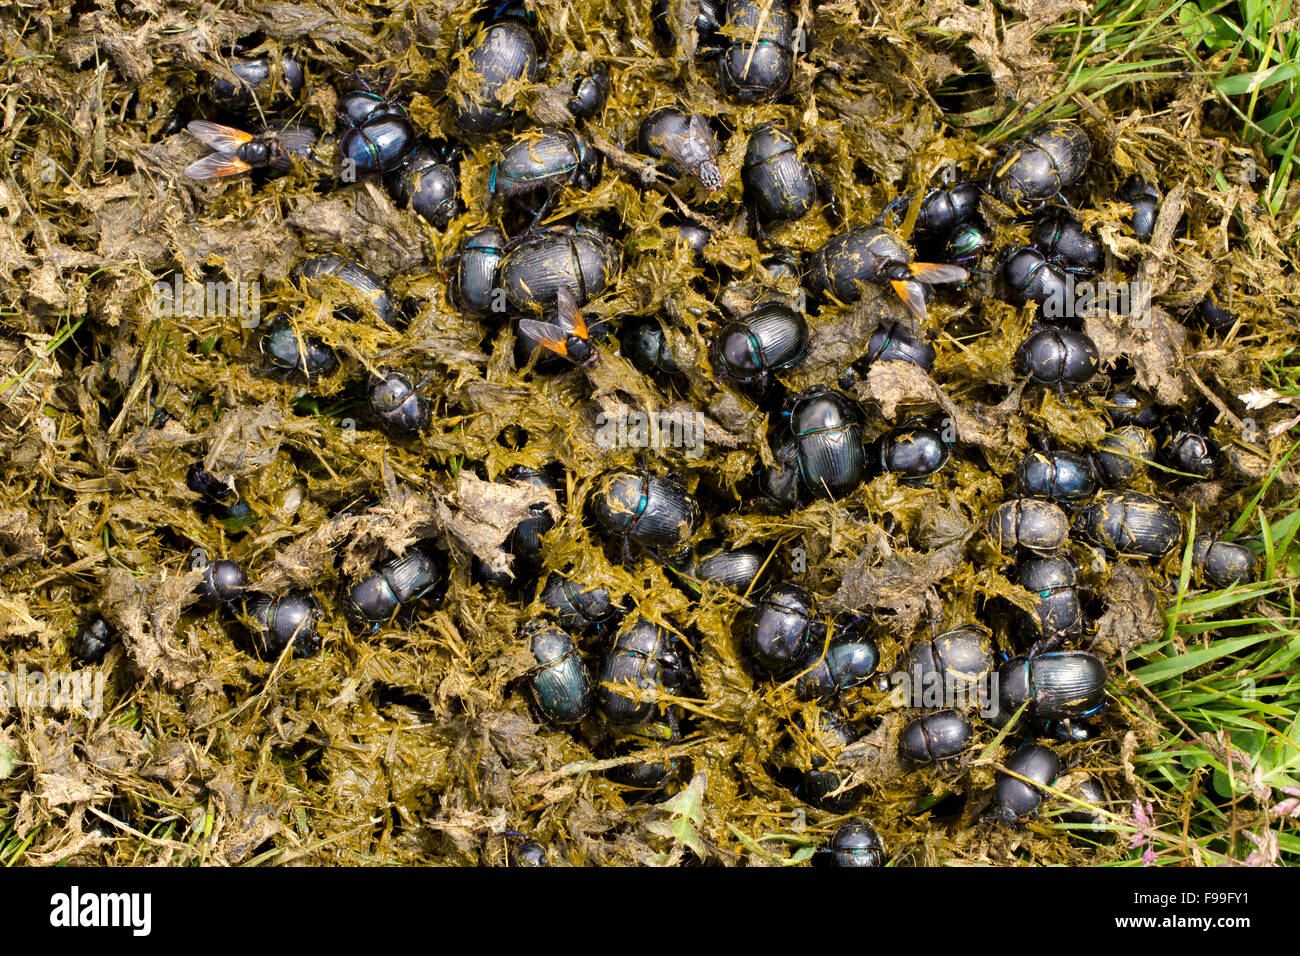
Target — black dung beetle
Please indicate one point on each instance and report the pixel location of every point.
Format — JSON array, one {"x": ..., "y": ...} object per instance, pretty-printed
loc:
[
  {"x": 223, "y": 584},
  {"x": 560, "y": 682},
  {"x": 738, "y": 568},
  {"x": 949, "y": 669},
  {"x": 1061, "y": 236},
  {"x": 644, "y": 509},
  {"x": 709, "y": 16},
  {"x": 92, "y": 641},
  {"x": 1186, "y": 446},
  {"x": 850, "y": 659},
  {"x": 1145, "y": 200},
  {"x": 967, "y": 243},
  {"x": 650, "y": 780},
  {"x": 646, "y": 347},
  {"x": 1015, "y": 800},
  {"x": 687, "y": 140},
  {"x": 1060, "y": 686},
  {"x": 1090, "y": 818},
  {"x": 911, "y": 452},
  {"x": 1122, "y": 455},
  {"x": 256, "y": 81},
  {"x": 588, "y": 609},
  {"x": 396, "y": 581},
  {"x": 943, "y": 210},
  {"x": 430, "y": 185},
  {"x": 545, "y": 158},
  {"x": 564, "y": 332},
  {"x": 777, "y": 180},
  {"x": 643, "y": 660},
  {"x": 530, "y": 853},
  {"x": 1222, "y": 564},
  {"x": 526, "y": 538},
  {"x": 1041, "y": 165},
  {"x": 590, "y": 91},
  {"x": 874, "y": 254},
  {"x": 202, "y": 482},
  {"x": 375, "y": 135},
  {"x": 581, "y": 259},
  {"x": 896, "y": 343},
  {"x": 293, "y": 358},
  {"x": 474, "y": 285},
  {"x": 759, "y": 60},
  {"x": 819, "y": 782},
  {"x": 776, "y": 489},
  {"x": 1055, "y": 476},
  {"x": 1127, "y": 407},
  {"x": 397, "y": 406},
  {"x": 781, "y": 632},
  {"x": 1031, "y": 276},
  {"x": 1029, "y": 523},
  {"x": 235, "y": 152},
  {"x": 502, "y": 53},
  {"x": 1215, "y": 316},
  {"x": 828, "y": 441},
  {"x": 360, "y": 286},
  {"x": 1130, "y": 524},
  {"x": 770, "y": 339},
  {"x": 935, "y": 737},
  {"x": 856, "y": 844},
  {"x": 1053, "y": 578},
  {"x": 291, "y": 619},
  {"x": 691, "y": 234}
]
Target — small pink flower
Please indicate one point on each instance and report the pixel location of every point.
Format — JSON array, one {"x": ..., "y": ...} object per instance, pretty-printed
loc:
[
  {"x": 1149, "y": 856},
  {"x": 1291, "y": 807}
]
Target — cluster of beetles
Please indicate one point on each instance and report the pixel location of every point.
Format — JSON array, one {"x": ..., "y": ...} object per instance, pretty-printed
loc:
[{"x": 546, "y": 272}]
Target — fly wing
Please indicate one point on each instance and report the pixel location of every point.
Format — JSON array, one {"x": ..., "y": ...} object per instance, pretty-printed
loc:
[
  {"x": 912, "y": 294},
  {"x": 546, "y": 333},
  {"x": 224, "y": 139},
  {"x": 215, "y": 165},
  {"x": 932, "y": 273},
  {"x": 569, "y": 316},
  {"x": 297, "y": 139}
]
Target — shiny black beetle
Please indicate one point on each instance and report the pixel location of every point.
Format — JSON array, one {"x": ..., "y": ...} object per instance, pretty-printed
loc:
[
  {"x": 590, "y": 91},
  {"x": 644, "y": 509},
  {"x": 1042, "y": 164},
  {"x": 396, "y": 581},
  {"x": 949, "y": 669},
  {"x": 545, "y": 159},
  {"x": 782, "y": 633},
  {"x": 1061, "y": 236},
  {"x": 935, "y": 737},
  {"x": 850, "y": 659},
  {"x": 1057, "y": 686},
  {"x": 560, "y": 682},
  {"x": 643, "y": 660},
  {"x": 1186, "y": 446},
  {"x": 1122, "y": 455},
  {"x": 896, "y": 343},
  {"x": 759, "y": 59},
  {"x": 397, "y": 405},
  {"x": 1015, "y": 800},
  {"x": 874, "y": 254},
  {"x": 778, "y": 182},
  {"x": 294, "y": 358},
  {"x": 1130, "y": 524},
  {"x": 856, "y": 844},
  {"x": 256, "y": 80},
  {"x": 1222, "y": 564},
  {"x": 646, "y": 346},
  {"x": 738, "y": 568},
  {"x": 360, "y": 285},
  {"x": 92, "y": 641},
  {"x": 828, "y": 442},
  {"x": 771, "y": 338},
  {"x": 429, "y": 184},
  {"x": 1145, "y": 200},
  {"x": 1052, "y": 578},
  {"x": 579, "y": 258},
  {"x": 1055, "y": 476},
  {"x": 474, "y": 284},
  {"x": 911, "y": 451},
  {"x": 375, "y": 135},
  {"x": 290, "y": 620},
  {"x": 1029, "y": 523},
  {"x": 579, "y": 608},
  {"x": 503, "y": 52},
  {"x": 222, "y": 585}
]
